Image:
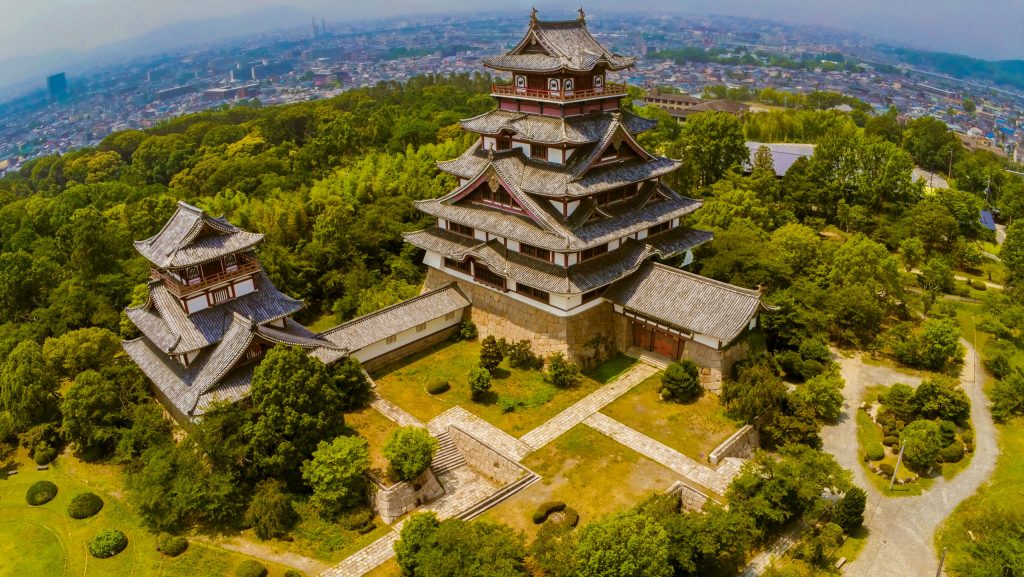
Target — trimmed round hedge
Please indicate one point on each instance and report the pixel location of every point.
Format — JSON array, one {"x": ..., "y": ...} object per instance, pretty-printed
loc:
[
  {"x": 173, "y": 546},
  {"x": 875, "y": 452},
  {"x": 107, "y": 543},
  {"x": 251, "y": 568},
  {"x": 44, "y": 454},
  {"x": 570, "y": 517},
  {"x": 84, "y": 505},
  {"x": 41, "y": 492},
  {"x": 544, "y": 510},
  {"x": 438, "y": 386}
]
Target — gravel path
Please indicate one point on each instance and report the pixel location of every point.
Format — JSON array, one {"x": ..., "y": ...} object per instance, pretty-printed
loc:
[{"x": 902, "y": 529}]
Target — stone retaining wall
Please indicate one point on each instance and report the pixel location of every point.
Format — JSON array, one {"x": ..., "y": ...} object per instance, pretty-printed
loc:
[
  {"x": 690, "y": 498},
  {"x": 741, "y": 444},
  {"x": 485, "y": 460},
  {"x": 398, "y": 499},
  {"x": 497, "y": 314}
]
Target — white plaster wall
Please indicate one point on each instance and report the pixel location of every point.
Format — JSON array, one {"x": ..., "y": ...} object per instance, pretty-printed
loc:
[
  {"x": 433, "y": 259},
  {"x": 245, "y": 287},
  {"x": 614, "y": 244},
  {"x": 688, "y": 259},
  {"x": 488, "y": 143},
  {"x": 524, "y": 146},
  {"x": 197, "y": 303},
  {"x": 572, "y": 206},
  {"x": 706, "y": 341},
  {"x": 555, "y": 155},
  {"x": 513, "y": 245},
  {"x": 405, "y": 337}
]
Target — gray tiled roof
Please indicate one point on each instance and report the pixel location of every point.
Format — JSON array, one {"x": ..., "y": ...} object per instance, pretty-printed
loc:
[
  {"x": 293, "y": 334},
  {"x": 687, "y": 301},
  {"x": 554, "y": 130},
  {"x": 165, "y": 323},
  {"x": 234, "y": 387},
  {"x": 625, "y": 219},
  {"x": 192, "y": 237},
  {"x": 183, "y": 386},
  {"x": 368, "y": 329},
  {"x": 568, "y": 45}
]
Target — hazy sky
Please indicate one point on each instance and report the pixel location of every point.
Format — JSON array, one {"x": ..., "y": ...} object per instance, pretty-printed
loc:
[{"x": 983, "y": 28}]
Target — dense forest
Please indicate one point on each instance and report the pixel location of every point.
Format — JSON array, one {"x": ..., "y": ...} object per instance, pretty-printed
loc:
[
  {"x": 1006, "y": 72},
  {"x": 848, "y": 249}
]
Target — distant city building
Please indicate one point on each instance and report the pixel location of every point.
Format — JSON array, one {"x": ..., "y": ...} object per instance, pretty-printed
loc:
[
  {"x": 231, "y": 92},
  {"x": 171, "y": 93},
  {"x": 58, "y": 86}
]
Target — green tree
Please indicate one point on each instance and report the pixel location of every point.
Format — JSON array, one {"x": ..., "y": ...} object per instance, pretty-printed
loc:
[
  {"x": 27, "y": 390},
  {"x": 710, "y": 543},
  {"x": 430, "y": 548},
  {"x": 912, "y": 252},
  {"x": 936, "y": 276},
  {"x": 91, "y": 348},
  {"x": 1008, "y": 396},
  {"x": 297, "y": 405},
  {"x": 942, "y": 398},
  {"x": 824, "y": 393},
  {"x": 1012, "y": 251},
  {"x": 561, "y": 372},
  {"x": 270, "y": 511},
  {"x": 681, "y": 382},
  {"x": 900, "y": 401},
  {"x": 479, "y": 382},
  {"x": 941, "y": 343},
  {"x": 336, "y": 473},
  {"x": 757, "y": 391},
  {"x": 709, "y": 144},
  {"x": 931, "y": 143},
  {"x": 490, "y": 353},
  {"x": 922, "y": 441},
  {"x": 798, "y": 246},
  {"x": 95, "y": 410},
  {"x": 409, "y": 451},
  {"x": 553, "y": 548},
  {"x": 624, "y": 545},
  {"x": 849, "y": 511},
  {"x": 1001, "y": 552}
]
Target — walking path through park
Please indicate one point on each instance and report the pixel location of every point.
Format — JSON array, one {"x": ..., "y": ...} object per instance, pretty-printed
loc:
[{"x": 902, "y": 529}]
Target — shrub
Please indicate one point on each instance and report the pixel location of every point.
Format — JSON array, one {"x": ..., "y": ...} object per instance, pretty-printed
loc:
[
  {"x": 544, "y": 510},
  {"x": 250, "y": 568},
  {"x": 270, "y": 511},
  {"x": 942, "y": 397},
  {"x": 875, "y": 452},
  {"x": 409, "y": 451},
  {"x": 479, "y": 382},
  {"x": 84, "y": 505},
  {"x": 681, "y": 382},
  {"x": 44, "y": 454},
  {"x": 356, "y": 519},
  {"x": 967, "y": 436},
  {"x": 521, "y": 356},
  {"x": 107, "y": 543},
  {"x": 438, "y": 386},
  {"x": 978, "y": 285},
  {"x": 849, "y": 511},
  {"x": 490, "y": 353},
  {"x": 811, "y": 368},
  {"x": 173, "y": 546},
  {"x": 293, "y": 573},
  {"x": 41, "y": 492},
  {"x": 953, "y": 453},
  {"x": 948, "y": 431},
  {"x": 466, "y": 332},
  {"x": 562, "y": 373},
  {"x": 509, "y": 404},
  {"x": 969, "y": 447},
  {"x": 570, "y": 517},
  {"x": 791, "y": 363},
  {"x": 922, "y": 441},
  {"x": 890, "y": 441},
  {"x": 886, "y": 469},
  {"x": 815, "y": 350},
  {"x": 35, "y": 437}
]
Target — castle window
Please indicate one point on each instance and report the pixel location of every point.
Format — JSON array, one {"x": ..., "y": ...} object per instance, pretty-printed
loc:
[
  {"x": 539, "y": 152},
  {"x": 554, "y": 84},
  {"x": 461, "y": 229},
  {"x": 599, "y": 82},
  {"x": 535, "y": 252},
  {"x": 499, "y": 196},
  {"x": 568, "y": 85},
  {"x": 463, "y": 267},
  {"x": 221, "y": 295},
  {"x": 533, "y": 293},
  {"x": 484, "y": 275},
  {"x": 230, "y": 263},
  {"x": 659, "y": 228},
  {"x": 521, "y": 82},
  {"x": 593, "y": 252}
]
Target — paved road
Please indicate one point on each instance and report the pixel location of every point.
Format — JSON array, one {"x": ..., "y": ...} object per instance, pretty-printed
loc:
[{"x": 902, "y": 529}]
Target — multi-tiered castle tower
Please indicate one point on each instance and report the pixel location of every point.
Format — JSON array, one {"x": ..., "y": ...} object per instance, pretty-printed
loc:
[{"x": 557, "y": 201}]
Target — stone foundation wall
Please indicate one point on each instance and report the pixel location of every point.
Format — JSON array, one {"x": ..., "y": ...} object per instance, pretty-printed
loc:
[
  {"x": 413, "y": 347},
  {"x": 485, "y": 460},
  {"x": 502, "y": 316},
  {"x": 691, "y": 499},
  {"x": 741, "y": 444},
  {"x": 398, "y": 499}
]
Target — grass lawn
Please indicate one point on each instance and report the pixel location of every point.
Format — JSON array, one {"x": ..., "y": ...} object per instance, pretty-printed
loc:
[
  {"x": 613, "y": 367},
  {"x": 590, "y": 473},
  {"x": 389, "y": 569},
  {"x": 403, "y": 384},
  {"x": 375, "y": 428},
  {"x": 694, "y": 429},
  {"x": 48, "y": 542}
]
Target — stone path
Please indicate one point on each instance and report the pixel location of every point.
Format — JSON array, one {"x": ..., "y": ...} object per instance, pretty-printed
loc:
[
  {"x": 902, "y": 529},
  {"x": 716, "y": 480},
  {"x": 497, "y": 439},
  {"x": 394, "y": 412},
  {"x": 760, "y": 563},
  {"x": 366, "y": 559},
  {"x": 587, "y": 406}
]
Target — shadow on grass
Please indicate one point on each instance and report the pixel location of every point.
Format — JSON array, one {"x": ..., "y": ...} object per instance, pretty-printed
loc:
[{"x": 501, "y": 373}]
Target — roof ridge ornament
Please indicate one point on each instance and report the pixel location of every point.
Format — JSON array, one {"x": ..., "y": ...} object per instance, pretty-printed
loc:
[
  {"x": 582, "y": 18},
  {"x": 533, "y": 16}
]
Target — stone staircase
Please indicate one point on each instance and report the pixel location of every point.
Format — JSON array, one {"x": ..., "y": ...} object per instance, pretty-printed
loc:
[
  {"x": 660, "y": 362},
  {"x": 498, "y": 496},
  {"x": 448, "y": 456}
]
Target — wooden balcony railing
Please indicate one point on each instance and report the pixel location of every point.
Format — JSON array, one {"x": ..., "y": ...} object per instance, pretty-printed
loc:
[
  {"x": 182, "y": 288},
  {"x": 560, "y": 95}
]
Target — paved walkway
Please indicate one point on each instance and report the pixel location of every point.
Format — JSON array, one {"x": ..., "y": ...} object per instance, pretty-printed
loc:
[
  {"x": 394, "y": 412},
  {"x": 902, "y": 529},
  {"x": 760, "y": 563},
  {"x": 587, "y": 406},
  {"x": 716, "y": 480},
  {"x": 497, "y": 439},
  {"x": 367, "y": 559}
]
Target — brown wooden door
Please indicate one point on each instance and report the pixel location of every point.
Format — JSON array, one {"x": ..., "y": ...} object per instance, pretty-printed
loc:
[
  {"x": 641, "y": 336},
  {"x": 665, "y": 344}
]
